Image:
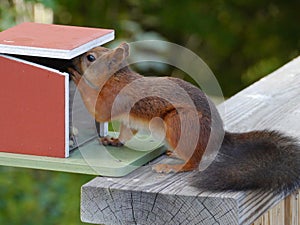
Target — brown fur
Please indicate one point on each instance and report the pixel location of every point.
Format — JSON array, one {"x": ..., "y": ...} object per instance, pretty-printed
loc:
[
  {"x": 112, "y": 91},
  {"x": 190, "y": 122}
]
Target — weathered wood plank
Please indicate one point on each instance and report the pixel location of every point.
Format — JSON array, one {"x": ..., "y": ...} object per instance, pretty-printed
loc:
[
  {"x": 291, "y": 209},
  {"x": 144, "y": 197},
  {"x": 298, "y": 205},
  {"x": 146, "y": 204},
  {"x": 287, "y": 209}
]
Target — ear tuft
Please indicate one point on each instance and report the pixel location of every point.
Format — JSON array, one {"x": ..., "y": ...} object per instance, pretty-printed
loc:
[{"x": 125, "y": 46}]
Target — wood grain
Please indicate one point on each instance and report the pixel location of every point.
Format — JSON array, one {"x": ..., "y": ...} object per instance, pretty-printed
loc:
[
  {"x": 144, "y": 197},
  {"x": 284, "y": 213}
]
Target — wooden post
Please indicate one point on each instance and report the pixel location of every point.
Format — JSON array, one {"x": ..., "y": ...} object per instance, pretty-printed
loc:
[
  {"x": 286, "y": 212},
  {"x": 145, "y": 197}
]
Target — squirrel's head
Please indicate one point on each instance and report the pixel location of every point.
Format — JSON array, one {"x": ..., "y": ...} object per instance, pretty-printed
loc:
[{"x": 98, "y": 64}]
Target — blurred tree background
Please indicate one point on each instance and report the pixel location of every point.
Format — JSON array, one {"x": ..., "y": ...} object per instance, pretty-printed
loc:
[{"x": 240, "y": 40}]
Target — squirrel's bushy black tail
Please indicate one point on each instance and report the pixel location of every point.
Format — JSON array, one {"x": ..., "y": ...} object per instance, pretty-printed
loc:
[{"x": 264, "y": 160}]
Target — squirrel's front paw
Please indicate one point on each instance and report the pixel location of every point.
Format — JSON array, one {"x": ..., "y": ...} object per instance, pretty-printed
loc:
[{"x": 111, "y": 141}]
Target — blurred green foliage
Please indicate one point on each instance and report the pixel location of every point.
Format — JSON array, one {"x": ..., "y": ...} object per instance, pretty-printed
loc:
[
  {"x": 35, "y": 197},
  {"x": 240, "y": 40}
]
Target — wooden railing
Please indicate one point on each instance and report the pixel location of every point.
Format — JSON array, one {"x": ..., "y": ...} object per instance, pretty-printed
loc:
[
  {"x": 285, "y": 212},
  {"x": 145, "y": 197}
]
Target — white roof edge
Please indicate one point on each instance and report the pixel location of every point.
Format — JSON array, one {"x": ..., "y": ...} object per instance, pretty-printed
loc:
[
  {"x": 34, "y": 64},
  {"x": 56, "y": 53}
]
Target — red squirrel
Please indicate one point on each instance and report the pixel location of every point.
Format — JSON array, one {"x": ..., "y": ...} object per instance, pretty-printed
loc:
[{"x": 188, "y": 120}]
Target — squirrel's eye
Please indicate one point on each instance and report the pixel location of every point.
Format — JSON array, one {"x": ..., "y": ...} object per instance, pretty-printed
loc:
[{"x": 91, "y": 58}]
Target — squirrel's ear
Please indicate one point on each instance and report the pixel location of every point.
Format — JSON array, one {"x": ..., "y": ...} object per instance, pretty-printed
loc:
[
  {"x": 118, "y": 54},
  {"x": 121, "y": 52}
]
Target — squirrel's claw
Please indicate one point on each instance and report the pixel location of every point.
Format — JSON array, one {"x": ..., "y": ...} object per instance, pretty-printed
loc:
[
  {"x": 111, "y": 141},
  {"x": 174, "y": 168},
  {"x": 166, "y": 168},
  {"x": 172, "y": 154}
]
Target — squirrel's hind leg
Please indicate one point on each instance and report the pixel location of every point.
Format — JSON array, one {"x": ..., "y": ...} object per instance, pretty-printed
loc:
[{"x": 182, "y": 137}]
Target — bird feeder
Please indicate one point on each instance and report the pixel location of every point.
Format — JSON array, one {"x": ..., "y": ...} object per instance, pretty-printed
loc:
[{"x": 36, "y": 97}]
